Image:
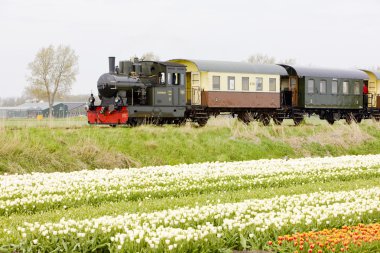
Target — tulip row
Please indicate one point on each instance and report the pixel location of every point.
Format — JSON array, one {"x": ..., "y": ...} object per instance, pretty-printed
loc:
[
  {"x": 42, "y": 191},
  {"x": 332, "y": 240},
  {"x": 211, "y": 226}
]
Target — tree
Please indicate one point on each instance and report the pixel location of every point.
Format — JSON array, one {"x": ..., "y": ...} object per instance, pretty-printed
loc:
[
  {"x": 12, "y": 101},
  {"x": 53, "y": 72},
  {"x": 265, "y": 59},
  {"x": 261, "y": 59},
  {"x": 289, "y": 61}
]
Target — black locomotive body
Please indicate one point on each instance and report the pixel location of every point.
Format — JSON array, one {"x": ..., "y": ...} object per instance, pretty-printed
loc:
[{"x": 154, "y": 92}]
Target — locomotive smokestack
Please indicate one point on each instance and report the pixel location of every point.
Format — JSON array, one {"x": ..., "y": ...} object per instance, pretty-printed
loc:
[{"x": 111, "y": 64}]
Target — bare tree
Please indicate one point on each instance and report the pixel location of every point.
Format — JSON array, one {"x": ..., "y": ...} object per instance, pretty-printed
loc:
[
  {"x": 73, "y": 98},
  {"x": 261, "y": 59},
  {"x": 52, "y": 73},
  {"x": 289, "y": 61},
  {"x": 12, "y": 101}
]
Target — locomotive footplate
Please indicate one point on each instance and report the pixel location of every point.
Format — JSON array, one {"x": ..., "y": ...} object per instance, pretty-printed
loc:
[{"x": 107, "y": 116}]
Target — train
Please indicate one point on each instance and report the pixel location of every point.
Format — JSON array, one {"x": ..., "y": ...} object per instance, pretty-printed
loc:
[{"x": 179, "y": 90}]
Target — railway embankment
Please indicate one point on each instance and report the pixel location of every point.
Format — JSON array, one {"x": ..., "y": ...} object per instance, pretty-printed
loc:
[{"x": 76, "y": 146}]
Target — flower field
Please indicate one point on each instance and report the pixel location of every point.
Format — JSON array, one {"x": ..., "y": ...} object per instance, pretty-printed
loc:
[
  {"x": 39, "y": 191},
  {"x": 333, "y": 240},
  {"x": 37, "y": 207}
]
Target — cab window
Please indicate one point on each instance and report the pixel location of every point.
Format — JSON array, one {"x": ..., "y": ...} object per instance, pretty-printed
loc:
[
  {"x": 175, "y": 79},
  {"x": 170, "y": 78},
  {"x": 162, "y": 78},
  {"x": 181, "y": 79}
]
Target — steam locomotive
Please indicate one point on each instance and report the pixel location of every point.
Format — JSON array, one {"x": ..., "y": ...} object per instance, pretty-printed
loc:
[
  {"x": 176, "y": 91},
  {"x": 141, "y": 92}
]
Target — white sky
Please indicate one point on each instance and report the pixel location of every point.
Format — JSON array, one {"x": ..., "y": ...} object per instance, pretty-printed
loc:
[{"x": 330, "y": 33}]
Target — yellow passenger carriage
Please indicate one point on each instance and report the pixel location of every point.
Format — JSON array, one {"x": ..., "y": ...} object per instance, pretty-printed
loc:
[
  {"x": 373, "y": 88},
  {"x": 225, "y": 84}
]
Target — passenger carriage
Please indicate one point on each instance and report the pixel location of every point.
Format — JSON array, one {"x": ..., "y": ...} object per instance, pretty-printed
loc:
[
  {"x": 251, "y": 91},
  {"x": 332, "y": 94},
  {"x": 373, "y": 88}
]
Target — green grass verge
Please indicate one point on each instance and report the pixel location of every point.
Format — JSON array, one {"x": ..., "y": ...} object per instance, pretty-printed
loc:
[{"x": 66, "y": 147}]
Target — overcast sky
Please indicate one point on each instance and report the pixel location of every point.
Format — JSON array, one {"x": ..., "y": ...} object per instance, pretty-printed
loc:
[{"x": 328, "y": 33}]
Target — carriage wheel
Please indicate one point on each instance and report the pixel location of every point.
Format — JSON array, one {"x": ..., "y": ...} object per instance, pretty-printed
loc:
[
  {"x": 202, "y": 122},
  {"x": 180, "y": 122},
  {"x": 330, "y": 121},
  {"x": 358, "y": 118},
  {"x": 264, "y": 119},
  {"x": 349, "y": 118},
  {"x": 134, "y": 122},
  {"x": 277, "y": 121},
  {"x": 244, "y": 117},
  {"x": 297, "y": 121}
]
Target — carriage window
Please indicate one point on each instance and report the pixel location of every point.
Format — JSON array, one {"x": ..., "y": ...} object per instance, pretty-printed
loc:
[
  {"x": 245, "y": 83},
  {"x": 231, "y": 82},
  {"x": 322, "y": 86},
  {"x": 216, "y": 82},
  {"x": 272, "y": 84},
  {"x": 357, "y": 88},
  {"x": 334, "y": 87},
  {"x": 310, "y": 86},
  {"x": 345, "y": 87},
  {"x": 259, "y": 83}
]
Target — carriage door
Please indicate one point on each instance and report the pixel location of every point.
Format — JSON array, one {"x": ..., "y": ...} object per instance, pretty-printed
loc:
[
  {"x": 293, "y": 83},
  {"x": 195, "y": 88},
  {"x": 188, "y": 88},
  {"x": 377, "y": 95},
  {"x": 372, "y": 94}
]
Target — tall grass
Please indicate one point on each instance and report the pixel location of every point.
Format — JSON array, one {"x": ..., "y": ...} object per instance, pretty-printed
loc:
[{"x": 67, "y": 145}]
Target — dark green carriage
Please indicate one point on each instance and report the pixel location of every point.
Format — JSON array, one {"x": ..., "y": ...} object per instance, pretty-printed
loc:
[{"x": 330, "y": 93}]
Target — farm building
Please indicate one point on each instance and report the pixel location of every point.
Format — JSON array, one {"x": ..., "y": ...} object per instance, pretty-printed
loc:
[
  {"x": 12, "y": 112},
  {"x": 31, "y": 110}
]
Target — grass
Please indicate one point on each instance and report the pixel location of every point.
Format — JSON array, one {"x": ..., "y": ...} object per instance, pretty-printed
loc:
[{"x": 67, "y": 145}]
